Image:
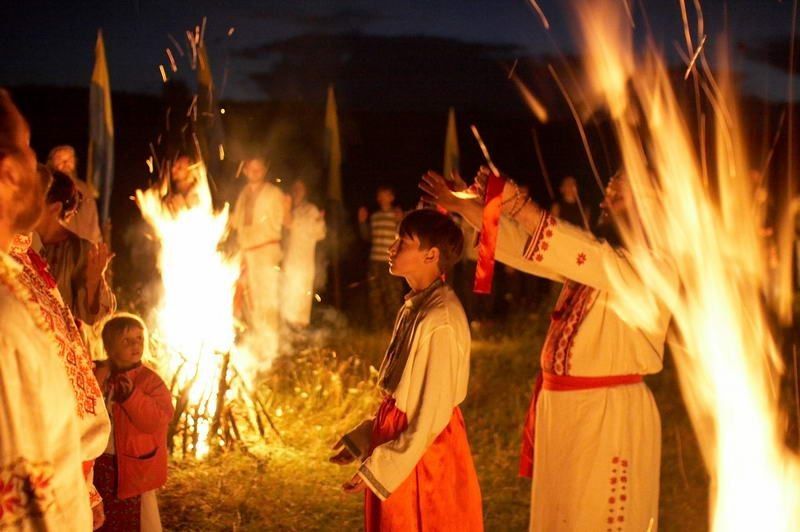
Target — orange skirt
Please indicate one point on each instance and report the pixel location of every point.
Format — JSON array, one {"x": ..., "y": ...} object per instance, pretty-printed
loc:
[{"x": 441, "y": 493}]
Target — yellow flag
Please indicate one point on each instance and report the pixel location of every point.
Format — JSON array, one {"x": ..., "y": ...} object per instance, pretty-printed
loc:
[
  {"x": 451, "y": 155},
  {"x": 333, "y": 148},
  {"x": 100, "y": 171}
]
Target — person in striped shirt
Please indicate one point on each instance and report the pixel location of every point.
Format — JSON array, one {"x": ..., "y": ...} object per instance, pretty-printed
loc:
[{"x": 380, "y": 229}]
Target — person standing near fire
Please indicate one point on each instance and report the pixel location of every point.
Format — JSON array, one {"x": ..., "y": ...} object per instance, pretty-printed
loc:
[
  {"x": 592, "y": 436},
  {"x": 40, "y": 445},
  {"x": 85, "y": 222},
  {"x": 379, "y": 229},
  {"x": 260, "y": 214},
  {"x": 308, "y": 228}
]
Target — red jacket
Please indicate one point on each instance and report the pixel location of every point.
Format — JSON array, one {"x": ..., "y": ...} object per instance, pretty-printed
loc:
[{"x": 140, "y": 432}]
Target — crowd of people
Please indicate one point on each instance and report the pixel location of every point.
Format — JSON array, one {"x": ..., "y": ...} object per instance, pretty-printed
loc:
[
  {"x": 82, "y": 446},
  {"x": 83, "y": 443}
]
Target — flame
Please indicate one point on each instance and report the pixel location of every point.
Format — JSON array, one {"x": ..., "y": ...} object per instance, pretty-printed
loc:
[
  {"x": 195, "y": 317},
  {"x": 708, "y": 228}
]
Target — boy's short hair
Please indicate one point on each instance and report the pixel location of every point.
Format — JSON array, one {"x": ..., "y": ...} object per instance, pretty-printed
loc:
[
  {"x": 118, "y": 324},
  {"x": 435, "y": 230},
  {"x": 384, "y": 188}
]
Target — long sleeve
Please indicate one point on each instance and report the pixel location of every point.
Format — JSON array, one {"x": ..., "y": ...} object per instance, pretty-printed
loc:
[
  {"x": 149, "y": 406},
  {"x": 559, "y": 250},
  {"x": 40, "y": 464},
  {"x": 437, "y": 364}
]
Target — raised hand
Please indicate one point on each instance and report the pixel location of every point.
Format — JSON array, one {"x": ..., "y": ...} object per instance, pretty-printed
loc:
[
  {"x": 437, "y": 192},
  {"x": 97, "y": 262}
]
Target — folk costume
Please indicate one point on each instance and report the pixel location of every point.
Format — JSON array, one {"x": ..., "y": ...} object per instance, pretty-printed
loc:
[
  {"x": 308, "y": 228},
  {"x": 592, "y": 439},
  {"x": 416, "y": 460},
  {"x": 91, "y": 415},
  {"x": 258, "y": 220},
  {"x": 41, "y": 469}
]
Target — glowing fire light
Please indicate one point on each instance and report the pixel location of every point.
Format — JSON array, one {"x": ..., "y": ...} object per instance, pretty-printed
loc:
[
  {"x": 728, "y": 361},
  {"x": 195, "y": 317}
]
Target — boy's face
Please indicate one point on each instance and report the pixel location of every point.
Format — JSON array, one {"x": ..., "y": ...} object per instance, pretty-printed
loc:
[
  {"x": 406, "y": 257},
  {"x": 128, "y": 348},
  {"x": 385, "y": 198}
]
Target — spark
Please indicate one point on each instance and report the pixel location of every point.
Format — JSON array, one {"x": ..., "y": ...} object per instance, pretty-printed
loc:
[
  {"x": 580, "y": 128},
  {"x": 318, "y": 298},
  {"x": 539, "y": 11},
  {"x": 171, "y": 60},
  {"x": 542, "y": 166},
  {"x": 513, "y": 68},
  {"x": 176, "y": 44},
  {"x": 221, "y": 153},
  {"x": 149, "y": 163},
  {"x": 231, "y": 30},
  {"x": 485, "y": 150},
  {"x": 531, "y": 101},
  {"x": 222, "y": 111},
  {"x": 694, "y": 58},
  {"x": 239, "y": 170},
  {"x": 163, "y": 73}
]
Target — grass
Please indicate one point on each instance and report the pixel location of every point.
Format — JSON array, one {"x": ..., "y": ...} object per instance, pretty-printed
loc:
[{"x": 327, "y": 385}]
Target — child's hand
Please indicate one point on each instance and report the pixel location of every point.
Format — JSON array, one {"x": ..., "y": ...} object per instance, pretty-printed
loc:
[
  {"x": 354, "y": 485},
  {"x": 344, "y": 456},
  {"x": 123, "y": 387}
]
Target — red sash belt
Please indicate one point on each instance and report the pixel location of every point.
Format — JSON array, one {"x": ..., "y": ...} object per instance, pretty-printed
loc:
[{"x": 560, "y": 383}]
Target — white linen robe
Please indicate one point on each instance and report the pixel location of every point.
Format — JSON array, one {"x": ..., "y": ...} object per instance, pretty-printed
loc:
[
  {"x": 597, "y": 452},
  {"x": 40, "y": 446},
  {"x": 308, "y": 228}
]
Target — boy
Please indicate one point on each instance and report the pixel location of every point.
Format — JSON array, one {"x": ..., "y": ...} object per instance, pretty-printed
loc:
[
  {"x": 415, "y": 458},
  {"x": 379, "y": 229},
  {"x": 135, "y": 461}
]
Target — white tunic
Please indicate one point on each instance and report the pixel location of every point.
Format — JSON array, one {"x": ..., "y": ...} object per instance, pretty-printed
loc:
[
  {"x": 258, "y": 220},
  {"x": 40, "y": 447},
  {"x": 308, "y": 228},
  {"x": 436, "y": 341},
  {"x": 598, "y": 451}
]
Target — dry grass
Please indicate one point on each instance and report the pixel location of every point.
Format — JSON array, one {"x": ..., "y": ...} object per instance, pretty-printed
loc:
[{"x": 291, "y": 486}]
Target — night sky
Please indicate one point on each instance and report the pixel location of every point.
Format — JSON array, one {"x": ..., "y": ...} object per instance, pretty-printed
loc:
[{"x": 51, "y": 43}]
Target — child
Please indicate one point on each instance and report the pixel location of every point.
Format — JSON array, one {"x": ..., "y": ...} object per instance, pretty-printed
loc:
[
  {"x": 415, "y": 458},
  {"x": 379, "y": 229},
  {"x": 135, "y": 461}
]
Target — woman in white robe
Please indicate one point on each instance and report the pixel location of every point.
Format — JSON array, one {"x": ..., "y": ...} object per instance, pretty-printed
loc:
[{"x": 307, "y": 228}]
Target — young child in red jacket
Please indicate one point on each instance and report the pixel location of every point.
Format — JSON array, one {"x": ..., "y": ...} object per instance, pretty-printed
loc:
[{"x": 135, "y": 462}]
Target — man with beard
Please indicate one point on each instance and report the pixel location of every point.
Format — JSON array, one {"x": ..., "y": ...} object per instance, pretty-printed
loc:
[
  {"x": 593, "y": 434},
  {"x": 40, "y": 447},
  {"x": 85, "y": 223}
]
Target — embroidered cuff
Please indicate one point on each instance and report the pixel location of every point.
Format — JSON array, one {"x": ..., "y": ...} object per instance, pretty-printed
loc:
[
  {"x": 539, "y": 242},
  {"x": 377, "y": 488},
  {"x": 351, "y": 445}
]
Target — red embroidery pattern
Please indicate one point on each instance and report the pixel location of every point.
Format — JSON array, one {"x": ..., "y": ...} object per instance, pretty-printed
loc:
[
  {"x": 538, "y": 243},
  {"x": 46, "y": 303},
  {"x": 618, "y": 496},
  {"x": 581, "y": 259},
  {"x": 573, "y": 304},
  {"x": 25, "y": 491}
]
